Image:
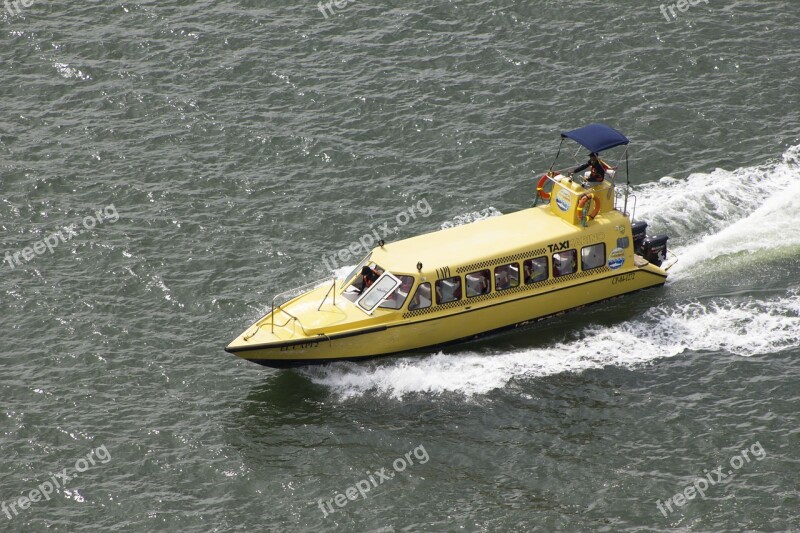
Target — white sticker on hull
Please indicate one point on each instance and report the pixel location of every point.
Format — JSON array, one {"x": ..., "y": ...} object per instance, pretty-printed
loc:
[
  {"x": 616, "y": 258},
  {"x": 563, "y": 200}
]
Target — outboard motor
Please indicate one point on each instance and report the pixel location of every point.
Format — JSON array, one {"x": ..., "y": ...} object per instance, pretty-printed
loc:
[
  {"x": 654, "y": 249},
  {"x": 639, "y": 229}
]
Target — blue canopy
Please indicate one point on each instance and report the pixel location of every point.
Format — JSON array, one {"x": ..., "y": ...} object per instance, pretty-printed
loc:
[{"x": 596, "y": 137}]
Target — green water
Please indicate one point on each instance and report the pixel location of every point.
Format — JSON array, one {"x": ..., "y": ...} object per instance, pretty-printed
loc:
[{"x": 207, "y": 155}]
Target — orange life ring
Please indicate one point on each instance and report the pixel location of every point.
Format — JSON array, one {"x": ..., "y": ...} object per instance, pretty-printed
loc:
[
  {"x": 543, "y": 194},
  {"x": 585, "y": 217}
]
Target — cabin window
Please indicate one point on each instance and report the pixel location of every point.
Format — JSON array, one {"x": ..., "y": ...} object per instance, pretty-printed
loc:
[
  {"x": 565, "y": 263},
  {"x": 398, "y": 297},
  {"x": 593, "y": 256},
  {"x": 535, "y": 270},
  {"x": 448, "y": 290},
  {"x": 507, "y": 276},
  {"x": 421, "y": 298},
  {"x": 478, "y": 283}
]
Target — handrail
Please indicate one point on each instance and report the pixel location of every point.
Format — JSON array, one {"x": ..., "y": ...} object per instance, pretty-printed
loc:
[
  {"x": 627, "y": 194},
  {"x": 299, "y": 291},
  {"x": 333, "y": 286},
  {"x": 302, "y": 288}
]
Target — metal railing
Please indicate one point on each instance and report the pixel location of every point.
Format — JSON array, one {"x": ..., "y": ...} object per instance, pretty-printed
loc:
[
  {"x": 333, "y": 288},
  {"x": 290, "y": 295},
  {"x": 295, "y": 292},
  {"x": 626, "y": 194}
]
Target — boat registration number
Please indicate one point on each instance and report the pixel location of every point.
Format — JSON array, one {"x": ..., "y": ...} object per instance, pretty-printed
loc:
[
  {"x": 301, "y": 346},
  {"x": 622, "y": 278}
]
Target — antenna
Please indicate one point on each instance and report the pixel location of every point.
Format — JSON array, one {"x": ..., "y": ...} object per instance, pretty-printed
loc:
[
  {"x": 627, "y": 182},
  {"x": 557, "y": 154}
]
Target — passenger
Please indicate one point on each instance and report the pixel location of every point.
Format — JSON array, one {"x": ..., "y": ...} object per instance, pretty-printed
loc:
[
  {"x": 564, "y": 263},
  {"x": 406, "y": 284},
  {"x": 501, "y": 280},
  {"x": 416, "y": 302},
  {"x": 597, "y": 171},
  {"x": 535, "y": 271},
  {"x": 422, "y": 298},
  {"x": 477, "y": 284},
  {"x": 558, "y": 267},
  {"x": 453, "y": 290}
]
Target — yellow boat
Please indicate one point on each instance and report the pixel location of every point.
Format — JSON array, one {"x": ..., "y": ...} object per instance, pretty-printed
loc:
[{"x": 461, "y": 283}]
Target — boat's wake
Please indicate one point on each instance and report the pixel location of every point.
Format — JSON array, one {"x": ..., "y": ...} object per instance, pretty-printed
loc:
[
  {"x": 744, "y": 328},
  {"x": 725, "y": 212},
  {"x": 708, "y": 216}
]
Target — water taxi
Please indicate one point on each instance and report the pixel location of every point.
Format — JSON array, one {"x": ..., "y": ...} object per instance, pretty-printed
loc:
[{"x": 580, "y": 246}]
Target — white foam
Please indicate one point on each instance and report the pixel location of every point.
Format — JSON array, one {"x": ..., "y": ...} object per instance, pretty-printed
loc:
[
  {"x": 341, "y": 272},
  {"x": 725, "y": 212},
  {"x": 67, "y": 71},
  {"x": 744, "y": 328}
]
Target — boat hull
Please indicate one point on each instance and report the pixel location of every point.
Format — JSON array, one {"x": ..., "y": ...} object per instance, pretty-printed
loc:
[{"x": 470, "y": 320}]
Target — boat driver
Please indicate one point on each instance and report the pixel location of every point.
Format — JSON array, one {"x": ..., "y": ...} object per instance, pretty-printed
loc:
[
  {"x": 368, "y": 277},
  {"x": 597, "y": 172}
]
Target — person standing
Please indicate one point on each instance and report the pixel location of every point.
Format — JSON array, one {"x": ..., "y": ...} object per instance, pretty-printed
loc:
[{"x": 597, "y": 172}]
